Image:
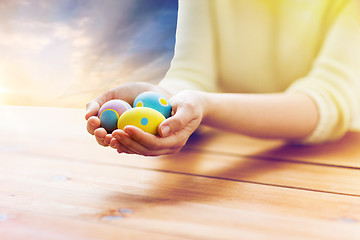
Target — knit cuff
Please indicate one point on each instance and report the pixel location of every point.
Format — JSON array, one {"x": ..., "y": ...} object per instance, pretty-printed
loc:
[{"x": 327, "y": 116}]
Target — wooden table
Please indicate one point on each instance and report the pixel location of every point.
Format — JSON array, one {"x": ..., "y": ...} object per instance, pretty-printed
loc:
[{"x": 57, "y": 183}]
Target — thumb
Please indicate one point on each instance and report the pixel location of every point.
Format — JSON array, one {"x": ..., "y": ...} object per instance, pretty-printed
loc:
[
  {"x": 93, "y": 106},
  {"x": 92, "y": 109},
  {"x": 184, "y": 114}
]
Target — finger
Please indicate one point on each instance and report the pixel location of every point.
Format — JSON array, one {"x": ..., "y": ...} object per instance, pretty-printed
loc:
[
  {"x": 107, "y": 139},
  {"x": 93, "y": 106},
  {"x": 184, "y": 114},
  {"x": 119, "y": 150},
  {"x": 150, "y": 145},
  {"x": 92, "y": 124},
  {"x": 123, "y": 149},
  {"x": 92, "y": 109},
  {"x": 124, "y": 139},
  {"x": 100, "y": 135},
  {"x": 116, "y": 143}
]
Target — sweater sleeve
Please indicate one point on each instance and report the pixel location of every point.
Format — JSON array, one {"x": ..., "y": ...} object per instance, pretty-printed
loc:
[
  {"x": 193, "y": 65},
  {"x": 334, "y": 80}
]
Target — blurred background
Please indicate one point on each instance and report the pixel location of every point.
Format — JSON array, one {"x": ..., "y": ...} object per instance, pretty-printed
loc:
[{"x": 64, "y": 53}]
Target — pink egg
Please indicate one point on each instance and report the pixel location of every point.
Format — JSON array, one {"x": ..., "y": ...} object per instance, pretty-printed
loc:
[
  {"x": 110, "y": 112},
  {"x": 117, "y": 105}
]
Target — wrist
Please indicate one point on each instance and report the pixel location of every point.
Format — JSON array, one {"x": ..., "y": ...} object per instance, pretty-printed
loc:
[{"x": 203, "y": 102}]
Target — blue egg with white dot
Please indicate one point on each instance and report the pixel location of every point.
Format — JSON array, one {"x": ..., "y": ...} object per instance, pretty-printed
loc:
[{"x": 155, "y": 101}]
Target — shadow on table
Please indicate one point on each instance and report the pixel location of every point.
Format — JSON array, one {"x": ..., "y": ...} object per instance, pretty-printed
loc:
[
  {"x": 204, "y": 176},
  {"x": 201, "y": 176},
  {"x": 344, "y": 152}
]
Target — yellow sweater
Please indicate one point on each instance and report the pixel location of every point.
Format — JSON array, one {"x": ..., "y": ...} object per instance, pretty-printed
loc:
[{"x": 262, "y": 46}]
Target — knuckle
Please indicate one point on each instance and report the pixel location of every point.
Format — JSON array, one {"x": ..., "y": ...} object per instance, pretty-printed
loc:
[
  {"x": 89, "y": 104},
  {"x": 189, "y": 105},
  {"x": 191, "y": 108},
  {"x": 179, "y": 122}
]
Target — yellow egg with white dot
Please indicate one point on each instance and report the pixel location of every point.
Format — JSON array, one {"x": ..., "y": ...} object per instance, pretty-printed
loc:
[{"x": 147, "y": 119}]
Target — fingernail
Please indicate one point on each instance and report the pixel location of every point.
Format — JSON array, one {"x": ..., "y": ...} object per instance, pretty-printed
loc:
[{"x": 165, "y": 130}]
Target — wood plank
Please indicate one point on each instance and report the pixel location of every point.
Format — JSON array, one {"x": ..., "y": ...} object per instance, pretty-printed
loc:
[
  {"x": 170, "y": 204},
  {"x": 37, "y": 176},
  {"x": 222, "y": 186},
  {"x": 76, "y": 144},
  {"x": 28, "y": 225},
  {"x": 67, "y": 127},
  {"x": 23, "y": 224},
  {"x": 263, "y": 171},
  {"x": 344, "y": 152}
]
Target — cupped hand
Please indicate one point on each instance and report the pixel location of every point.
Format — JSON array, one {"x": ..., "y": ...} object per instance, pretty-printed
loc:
[
  {"x": 173, "y": 133},
  {"x": 126, "y": 92}
]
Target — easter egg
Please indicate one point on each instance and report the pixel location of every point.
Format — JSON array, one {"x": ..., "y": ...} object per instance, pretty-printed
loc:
[
  {"x": 153, "y": 100},
  {"x": 108, "y": 120},
  {"x": 145, "y": 118},
  {"x": 110, "y": 112}
]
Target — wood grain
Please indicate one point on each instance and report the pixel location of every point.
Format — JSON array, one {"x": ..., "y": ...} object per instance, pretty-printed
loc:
[
  {"x": 57, "y": 183},
  {"x": 161, "y": 202}
]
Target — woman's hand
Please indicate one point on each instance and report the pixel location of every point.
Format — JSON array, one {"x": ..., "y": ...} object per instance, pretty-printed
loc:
[
  {"x": 126, "y": 92},
  {"x": 187, "y": 113}
]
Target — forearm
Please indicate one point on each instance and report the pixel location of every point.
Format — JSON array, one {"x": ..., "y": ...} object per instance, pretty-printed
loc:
[{"x": 287, "y": 116}]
